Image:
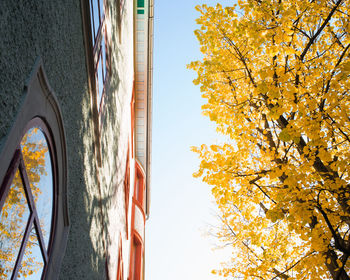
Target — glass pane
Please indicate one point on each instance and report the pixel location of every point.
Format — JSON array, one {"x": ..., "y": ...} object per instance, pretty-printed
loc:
[
  {"x": 96, "y": 15},
  {"x": 92, "y": 24},
  {"x": 140, "y": 25},
  {"x": 13, "y": 221},
  {"x": 103, "y": 49},
  {"x": 102, "y": 12},
  {"x": 37, "y": 162},
  {"x": 32, "y": 263},
  {"x": 100, "y": 81},
  {"x": 137, "y": 187}
]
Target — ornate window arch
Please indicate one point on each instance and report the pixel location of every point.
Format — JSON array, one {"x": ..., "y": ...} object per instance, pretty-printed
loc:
[{"x": 33, "y": 186}]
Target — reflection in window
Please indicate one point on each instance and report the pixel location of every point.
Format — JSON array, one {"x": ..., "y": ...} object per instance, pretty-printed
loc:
[
  {"x": 37, "y": 161},
  {"x": 26, "y": 214},
  {"x": 13, "y": 221},
  {"x": 32, "y": 263},
  {"x": 98, "y": 32}
]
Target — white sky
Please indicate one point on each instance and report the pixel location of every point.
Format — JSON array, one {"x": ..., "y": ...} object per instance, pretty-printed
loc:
[{"x": 181, "y": 206}]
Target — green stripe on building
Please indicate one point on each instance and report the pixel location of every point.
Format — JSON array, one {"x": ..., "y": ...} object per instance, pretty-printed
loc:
[{"x": 140, "y": 3}]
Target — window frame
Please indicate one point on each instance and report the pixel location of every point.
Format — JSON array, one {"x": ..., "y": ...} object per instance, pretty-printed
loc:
[
  {"x": 136, "y": 257},
  {"x": 140, "y": 184},
  {"x": 40, "y": 105},
  {"x": 97, "y": 107},
  {"x": 132, "y": 122},
  {"x": 127, "y": 192},
  {"x": 97, "y": 49},
  {"x": 33, "y": 219},
  {"x": 93, "y": 51}
]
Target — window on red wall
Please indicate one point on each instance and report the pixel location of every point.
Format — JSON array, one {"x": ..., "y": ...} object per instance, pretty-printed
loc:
[
  {"x": 127, "y": 191},
  {"x": 139, "y": 185},
  {"x": 99, "y": 49},
  {"x": 132, "y": 105},
  {"x": 136, "y": 259}
]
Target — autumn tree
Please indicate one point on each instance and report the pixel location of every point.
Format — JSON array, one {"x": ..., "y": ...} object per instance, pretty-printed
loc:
[{"x": 275, "y": 74}]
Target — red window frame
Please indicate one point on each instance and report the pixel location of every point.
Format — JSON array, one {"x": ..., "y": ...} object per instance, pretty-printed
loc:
[
  {"x": 18, "y": 164},
  {"x": 132, "y": 108},
  {"x": 139, "y": 190},
  {"x": 136, "y": 258},
  {"x": 127, "y": 192},
  {"x": 100, "y": 52}
]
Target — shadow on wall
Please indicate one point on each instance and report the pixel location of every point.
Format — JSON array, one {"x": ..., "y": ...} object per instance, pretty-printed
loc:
[
  {"x": 91, "y": 205},
  {"x": 114, "y": 141},
  {"x": 53, "y": 30}
]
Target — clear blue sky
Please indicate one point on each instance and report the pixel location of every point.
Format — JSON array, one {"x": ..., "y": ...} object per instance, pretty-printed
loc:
[{"x": 181, "y": 205}]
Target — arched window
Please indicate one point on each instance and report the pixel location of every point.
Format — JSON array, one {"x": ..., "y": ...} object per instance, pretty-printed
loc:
[
  {"x": 136, "y": 258},
  {"x": 33, "y": 178},
  {"x": 27, "y": 206},
  {"x": 139, "y": 193},
  {"x": 126, "y": 193},
  {"x": 138, "y": 224}
]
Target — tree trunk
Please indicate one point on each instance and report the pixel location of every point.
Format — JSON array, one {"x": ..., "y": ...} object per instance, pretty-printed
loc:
[{"x": 333, "y": 268}]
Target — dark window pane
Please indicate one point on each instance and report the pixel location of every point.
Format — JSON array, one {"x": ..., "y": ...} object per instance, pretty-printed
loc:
[
  {"x": 13, "y": 221},
  {"x": 140, "y": 12},
  {"x": 37, "y": 162},
  {"x": 32, "y": 263}
]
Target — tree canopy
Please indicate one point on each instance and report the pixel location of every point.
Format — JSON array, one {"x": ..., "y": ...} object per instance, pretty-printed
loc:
[{"x": 275, "y": 74}]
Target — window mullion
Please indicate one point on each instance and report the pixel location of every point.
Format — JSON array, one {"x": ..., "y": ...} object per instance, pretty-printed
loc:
[
  {"x": 26, "y": 185},
  {"x": 97, "y": 54},
  {"x": 99, "y": 11},
  {"x": 32, "y": 207},
  {"x": 98, "y": 40},
  {"x": 41, "y": 238},
  {"x": 97, "y": 49},
  {"x": 23, "y": 246},
  {"x": 92, "y": 20},
  {"x": 5, "y": 188}
]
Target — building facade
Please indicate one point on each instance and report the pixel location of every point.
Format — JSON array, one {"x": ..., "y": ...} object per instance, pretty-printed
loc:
[{"x": 75, "y": 138}]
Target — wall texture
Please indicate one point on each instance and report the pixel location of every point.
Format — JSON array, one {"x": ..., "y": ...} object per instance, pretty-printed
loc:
[{"x": 53, "y": 31}]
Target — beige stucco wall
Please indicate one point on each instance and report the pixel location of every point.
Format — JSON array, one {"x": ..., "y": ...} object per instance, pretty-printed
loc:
[{"x": 115, "y": 135}]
